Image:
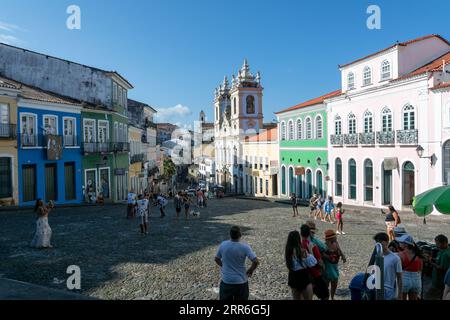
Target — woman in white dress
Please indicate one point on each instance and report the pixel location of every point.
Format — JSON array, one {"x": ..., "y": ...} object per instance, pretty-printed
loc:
[{"x": 43, "y": 233}]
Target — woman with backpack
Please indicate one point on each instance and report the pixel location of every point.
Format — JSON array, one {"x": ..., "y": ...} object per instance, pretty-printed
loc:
[{"x": 412, "y": 265}]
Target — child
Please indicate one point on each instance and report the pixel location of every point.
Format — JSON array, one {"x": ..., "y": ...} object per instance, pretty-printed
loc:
[
  {"x": 331, "y": 258},
  {"x": 294, "y": 204},
  {"x": 142, "y": 209},
  {"x": 339, "y": 213},
  {"x": 329, "y": 207},
  {"x": 319, "y": 203}
]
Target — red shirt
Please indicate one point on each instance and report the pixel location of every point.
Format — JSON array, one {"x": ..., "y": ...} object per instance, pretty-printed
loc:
[
  {"x": 316, "y": 270},
  {"x": 415, "y": 266}
]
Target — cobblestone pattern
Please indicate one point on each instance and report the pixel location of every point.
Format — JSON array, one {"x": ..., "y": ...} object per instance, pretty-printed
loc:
[{"x": 176, "y": 260}]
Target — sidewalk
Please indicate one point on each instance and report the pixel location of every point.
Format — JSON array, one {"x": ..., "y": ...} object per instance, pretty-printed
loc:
[
  {"x": 73, "y": 205},
  {"x": 17, "y": 290}
]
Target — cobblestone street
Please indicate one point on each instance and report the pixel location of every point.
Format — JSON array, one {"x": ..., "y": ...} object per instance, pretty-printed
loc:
[{"x": 176, "y": 260}]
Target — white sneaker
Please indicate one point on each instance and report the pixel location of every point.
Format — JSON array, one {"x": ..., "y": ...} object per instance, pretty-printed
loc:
[
  {"x": 343, "y": 232},
  {"x": 337, "y": 232}
]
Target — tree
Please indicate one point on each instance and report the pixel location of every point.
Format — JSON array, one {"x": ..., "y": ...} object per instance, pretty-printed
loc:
[{"x": 169, "y": 169}]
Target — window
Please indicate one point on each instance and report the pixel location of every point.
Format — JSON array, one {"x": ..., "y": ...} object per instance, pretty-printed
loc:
[
  {"x": 260, "y": 185},
  {"x": 338, "y": 169},
  {"x": 120, "y": 95},
  {"x": 291, "y": 130},
  {"x": 351, "y": 124},
  {"x": 386, "y": 120},
  {"x": 250, "y": 104},
  {"x": 319, "y": 127},
  {"x": 299, "y": 129},
  {"x": 283, "y": 131},
  {"x": 234, "y": 106},
  {"x": 367, "y": 76},
  {"x": 368, "y": 180},
  {"x": 69, "y": 131},
  {"x": 308, "y": 125},
  {"x": 5, "y": 178},
  {"x": 352, "y": 179},
  {"x": 409, "y": 122},
  {"x": 116, "y": 131},
  {"x": 4, "y": 121},
  {"x": 89, "y": 130},
  {"x": 337, "y": 125},
  {"x": 28, "y": 130},
  {"x": 385, "y": 70},
  {"x": 368, "y": 122},
  {"x": 283, "y": 180},
  {"x": 350, "y": 81},
  {"x": 114, "y": 92},
  {"x": 103, "y": 131},
  {"x": 124, "y": 95},
  {"x": 50, "y": 125},
  {"x": 446, "y": 163}
]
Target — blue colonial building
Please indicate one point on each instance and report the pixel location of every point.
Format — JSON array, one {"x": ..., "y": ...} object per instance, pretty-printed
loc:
[{"x": 49, "y": 147}]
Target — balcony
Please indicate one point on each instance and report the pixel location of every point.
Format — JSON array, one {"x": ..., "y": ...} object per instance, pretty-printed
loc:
[
  {"x": 8, "y": 131},
  {"x": 337, "y": 139},
  {"x": 351, "y": 139},
  {"x": 105, "y": 147},
  {"x": 140, "y": 157},
  {"x": 149, "y": 124},
  {"x": 367, "y": 138},
  {"x": 386, "y": 138},
  {"x": 410, "y": 137},
  {"x": 31, "y": 140}
]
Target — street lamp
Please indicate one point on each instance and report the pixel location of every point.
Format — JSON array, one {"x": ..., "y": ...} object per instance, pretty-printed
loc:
[
  {"x": 319, "y": 162},
  {"x": 433, "y": 158}
]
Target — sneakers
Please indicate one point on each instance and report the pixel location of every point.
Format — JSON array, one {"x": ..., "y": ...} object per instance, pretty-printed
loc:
[
  {"x": 337, "y": 232},
  {"x": 343, "y": 232}
]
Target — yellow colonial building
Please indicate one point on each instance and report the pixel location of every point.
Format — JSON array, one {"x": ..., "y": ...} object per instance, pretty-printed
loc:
[
  {"x": 261, "y": 167},
  {"x": 9, "y": 92},
  {"x": 136, "y": 172}
]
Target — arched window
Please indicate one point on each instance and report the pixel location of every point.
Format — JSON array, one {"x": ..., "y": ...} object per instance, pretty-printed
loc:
[
  {"x": 283, "y": 180},
  {"x": 250, "y": 104},
  {"x": 299, "y": 129},
  {"x": 319, "y": 127},
  {"x": 368, "y": 180},
  {"x": 308, "y": 125},
  {"x": 291, "y": 130},
  {"x": 446, "y": 163},
  {"x": 386, "y": 120},
  {"x": 338, "y": 172},
  {"x": 368, "y": 122},
  {"x": 367, "y": 76},
  {"x": 350, "y": 81},
  {"x": 385, "y": 70},
  {"x": 319, "y": 183},
  {"x": 351, "y": 123},
  {"x": 283, "y": 131},
  {"x": 352, "y": 179},
  {"x": 409, "y": 119},
  {"x": 234, "y": 106},
  {"x": 337, "y": 125}
]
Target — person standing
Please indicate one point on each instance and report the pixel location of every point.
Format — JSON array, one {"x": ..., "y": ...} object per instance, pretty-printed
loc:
[
  {"x": 43, "y": 235},
  {"x": 312, "y": 237},
  {"x": 329, "y": 208},
  {"x": 200, "y": 198},
  {"x": 446, "y": 295},
  {"x": 162, "y": 202},
  {"x": 319, "y": 205},
  {"x": 178, "y": 203},
  {"x": 131, "y": 205},
  {"x": 230, "y": 257},
  {"x": 393, "y": 284},
  {"x": 312, "y": 205},
  {"x": 187, "y": 204},
  {"x": 340, "y": 222},
  {"x": 440, "y": 266},
  {"x": 294, "y": 200},
  {"x": 392, "y": 221},
  {"x": 142, "y": 209},
  {"x": 412, "y": 265},
  {"x": 331, "y": 258},
  {"x": 298, "y": 260}
]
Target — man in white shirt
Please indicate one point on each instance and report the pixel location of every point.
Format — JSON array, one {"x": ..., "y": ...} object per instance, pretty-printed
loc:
[
  {"x": 162, "y": 202},
  {"x": 131, "y": 205},
  {"x": 231, "y": 257},
  {"x": 142, "y": 209}
]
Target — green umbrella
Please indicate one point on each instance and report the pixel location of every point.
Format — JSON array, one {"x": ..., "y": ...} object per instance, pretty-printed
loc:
[{"x": 438, "y": 198}]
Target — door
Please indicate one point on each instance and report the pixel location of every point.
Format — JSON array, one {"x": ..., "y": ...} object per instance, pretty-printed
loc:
[
  {"x": 319, "y": 183},
  {"x": 103, "y": 136},
  {"x": 408, "y": 183},
  {"x": 28, "y": 130},
  {"x": 69, "y": 180},
  {"x": 300, "y": 186},
  {"x": 275, "y": 185},
  {"x": 69, "y": 132},
  {"x": 104, "y": 182},
  {"x": 5, "y": 177},
  {"x": 50, "y": 182},
  {"x": 50, "y": 125},
  {"x": 91, "y": 184},
  {"x": 387, "y": 186},
  {"x": 29, "y": 183},
  {"x": 309, "y": 184},
  {"x": 89, "y": 135}
]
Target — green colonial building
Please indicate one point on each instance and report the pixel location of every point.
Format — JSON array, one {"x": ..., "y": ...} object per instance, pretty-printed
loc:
[{"x": 303, "y": 142}]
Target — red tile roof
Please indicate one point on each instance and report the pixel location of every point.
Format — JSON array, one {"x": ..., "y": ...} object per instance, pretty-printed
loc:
[
  {"x": 434, "y": 65},
  {"x": 441, "y": 86},
  {"x": 264, "y": 136},
  {"x": 312, "y": 101},
  {"x": 398, "y": 44}
]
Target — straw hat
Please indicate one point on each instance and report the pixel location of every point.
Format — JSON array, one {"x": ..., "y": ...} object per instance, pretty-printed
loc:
[{"x": 330, "y": 234}]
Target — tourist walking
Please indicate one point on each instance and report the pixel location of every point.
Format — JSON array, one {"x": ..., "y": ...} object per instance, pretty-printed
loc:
[
  {"x": 187, "y": 204},
  {"x": 340, "y": 223},
  {"x": 298, "y": 260},
  {"x": 412, "y": 264},
  {"x": 392, "y": 220},
  {"x": 231, "y": 257},
  {"x": 178, "y": 203},
  {"x": 320, "y": 287},
  {"x": 313, "y": 231},
  {"x": 161, "y": 202},
  {"x": 142, "y": 209},
  {"x": 329, "y": 208},
  {"x": 331, "y": 258},
  {"x": 294, "y": 200},
  {"x": 200, "y": 198},
  {"x": 131, "y": 204},
  {"x": 312, "y": 205},
  {"x": 393, "y": 284},
  {"x": 319, "y": 205},
  {"x": 43, "y": 235}
]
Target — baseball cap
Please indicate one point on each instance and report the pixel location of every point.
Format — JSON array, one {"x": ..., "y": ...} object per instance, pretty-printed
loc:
[{"x": 406, "y": 238}]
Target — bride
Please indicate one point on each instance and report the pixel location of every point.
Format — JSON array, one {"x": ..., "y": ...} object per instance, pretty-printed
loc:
[{"x": 43, "y": 233}]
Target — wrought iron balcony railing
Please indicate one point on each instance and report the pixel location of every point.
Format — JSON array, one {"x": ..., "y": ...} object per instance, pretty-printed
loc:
[
  {"x": 140, "y": 157},
  {"x": 8, "y": 131},
  {"x": 105, "y": 147},
  {"x": 337, "y": 139},
  {"x": 351, "y": 139},
  {"x": 367, "y": 138},
  {"x": 386, "y": 138},
  {"x": 407, "y": 137}
]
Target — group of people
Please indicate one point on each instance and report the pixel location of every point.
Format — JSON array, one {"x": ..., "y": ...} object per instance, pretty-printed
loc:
[{"x": 318, "y": 206}]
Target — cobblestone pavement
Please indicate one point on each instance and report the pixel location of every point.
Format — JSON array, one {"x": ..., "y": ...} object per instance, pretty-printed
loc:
[{"x": 176, "y": 260}]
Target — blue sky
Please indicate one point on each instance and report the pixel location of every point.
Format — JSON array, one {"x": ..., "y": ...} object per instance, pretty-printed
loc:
[{"x": 176, "y": 52}]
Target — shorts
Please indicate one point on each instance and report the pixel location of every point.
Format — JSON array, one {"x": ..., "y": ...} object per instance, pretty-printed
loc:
[
  {"x": 312, "y": 208},
  {"x": 299, "y": 280},
  {"x": 178, "y": 209},
  {"x": 233, "y": 291},
  {"x": 412, "y": 282},
  {"x": 186, "y": 206},
  {"x": 320, "y": 288},
  {"x": 143, "y": 218},
  {"x": 328, "y": 212},
  {"x": 390, "y": 225}
]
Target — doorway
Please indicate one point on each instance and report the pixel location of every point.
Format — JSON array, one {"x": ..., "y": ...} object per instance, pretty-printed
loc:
[
  {"x": 408, "y": 183},
  {"x": 387, "y": 186}
]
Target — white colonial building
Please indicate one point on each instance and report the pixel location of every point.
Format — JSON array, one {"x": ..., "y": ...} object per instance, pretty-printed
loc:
[
  {"x": 390, "y": 128},
  {"x": 237, "y": 113}
]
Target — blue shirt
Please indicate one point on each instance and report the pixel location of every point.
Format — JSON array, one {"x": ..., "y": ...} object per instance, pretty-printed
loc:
[
  {"x": 233, "y": 255},
  {"x": 329, "y": 206}
]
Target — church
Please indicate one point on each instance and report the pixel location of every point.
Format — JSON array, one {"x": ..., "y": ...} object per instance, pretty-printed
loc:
[{"x": 238, "y": 114}]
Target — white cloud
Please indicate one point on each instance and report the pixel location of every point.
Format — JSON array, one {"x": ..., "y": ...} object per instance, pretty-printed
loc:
[
  {"x": 176, "y": 114},
  {"x": 9, "y": 27},
  {"x": 6, "y": 36},
  {"x": 8, "y": 39}
]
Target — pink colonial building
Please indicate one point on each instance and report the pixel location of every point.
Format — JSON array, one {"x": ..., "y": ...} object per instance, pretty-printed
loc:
[{"x": 390, "y": 128}]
